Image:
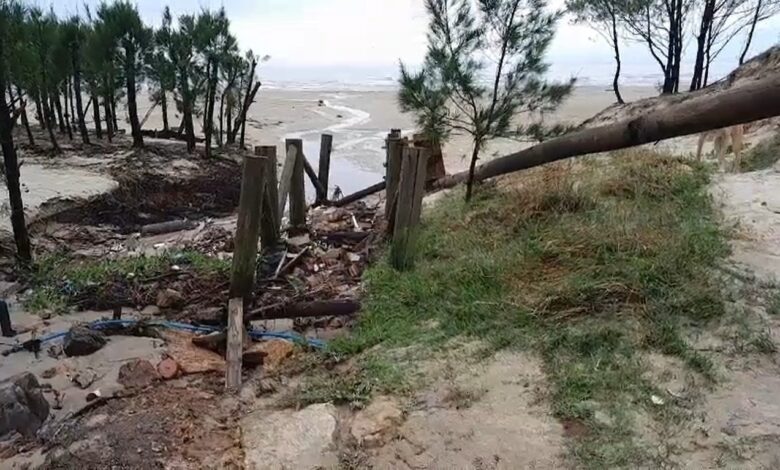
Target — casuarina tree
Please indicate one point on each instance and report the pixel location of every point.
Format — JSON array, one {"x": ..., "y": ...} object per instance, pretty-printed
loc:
[
  {"x": 132, "y": 40},
  {"x": 11, "y": 163},
  {"x": 603, "y": 16},
  {"x": 459, "y": 89}
]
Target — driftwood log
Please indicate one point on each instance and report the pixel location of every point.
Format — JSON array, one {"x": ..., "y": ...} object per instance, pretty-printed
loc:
[{"x": 329, "y": 308}]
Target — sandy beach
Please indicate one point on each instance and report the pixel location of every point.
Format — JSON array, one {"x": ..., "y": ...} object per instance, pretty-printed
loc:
[{"x": 360, "y": 120}]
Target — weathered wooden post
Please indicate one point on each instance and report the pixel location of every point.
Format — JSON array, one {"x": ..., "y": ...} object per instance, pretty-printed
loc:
[
  {"x": 394, "y": 147},
  {"x": 235, "y": 344},
  {"x": 326, "y": 147},
  {"x": 244, "y": 261},
  {"x": 291, "y": 154},
  {"x": 269, "y": 220},
  {"x": 320, "y": 190},
  {"x": 411, "y": 189},
  {"x": 297, "y": 188}
]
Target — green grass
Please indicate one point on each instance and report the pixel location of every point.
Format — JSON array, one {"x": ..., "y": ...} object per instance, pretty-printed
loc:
[
  {"x": 57, "y": 282},
  {"x": 591, "y": 267},
  {"x": 764, "y": 155}
]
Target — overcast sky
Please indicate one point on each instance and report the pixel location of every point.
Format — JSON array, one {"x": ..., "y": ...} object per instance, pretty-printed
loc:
[{"x": 339, "y": 38}]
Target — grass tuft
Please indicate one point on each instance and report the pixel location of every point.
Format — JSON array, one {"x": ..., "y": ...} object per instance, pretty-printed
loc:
[{"x": 764, "y": 155}]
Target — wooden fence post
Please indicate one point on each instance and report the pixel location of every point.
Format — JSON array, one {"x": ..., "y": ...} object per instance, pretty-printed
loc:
[
  {"x": 285, "y": 180},
  {"x": 235, "y": 344},
  {"x": 326, "y": 147},
  {"x": 247, "y": 228},
  {"x": 411, "y": 189},
  {"x": 297, "y": 188},
  {"x": 394, "y": 147},
  {"x": 269, "y": 221}
]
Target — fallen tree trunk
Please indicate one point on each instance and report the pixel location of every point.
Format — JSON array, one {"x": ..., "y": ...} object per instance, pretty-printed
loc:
[
  {"x": 703, "y": 111},
  {"x": 330, "y": 308}
]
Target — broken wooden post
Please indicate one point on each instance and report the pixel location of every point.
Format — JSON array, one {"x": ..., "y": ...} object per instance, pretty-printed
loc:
[
  {"x": 411, "y": 188},
  {"x": 286, "y": 178},
  {"x": 235, "y": 344},
  {"x": 297, "y": 188},
  {"x": 394, "y": 148},
  {"x": 247, "y": 228},
  {"x": 269, "y": 220},
  {"x": 326, "y": 147}
]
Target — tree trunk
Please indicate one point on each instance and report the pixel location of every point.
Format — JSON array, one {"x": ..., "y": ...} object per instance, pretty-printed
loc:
[
  {"x": 229, "y": 121},
  {"x": 616, "y": 46},
  {"x": 189, "y": 127},
  {"x": 79, "y": 105},
  {"x": 96, "y": 116},
  {"x": 250, "y": 95},
  {"x": 700, "y": 112},
  {"x": 39, "y": 111},
  {"x": 21, "y": 237},
  {"x": 109, "y": 119},
  {"x": 472, "y": 167},
  {"x": 49, "y": 123},
  {"x": 220, "y": 137},
  {"x": 55, "y": 98},
  {"x": 72, "y": 107},
  {"x": 164, "y": 103},
  {"x": 752, "y": 30},
  {"x": 26, "y": 120},
  {"x": 210, "y": 100},
  {"x": 132, "y": 107},
  {"x": 67, "y": 115},
  {"x": 701, "y": 42}
]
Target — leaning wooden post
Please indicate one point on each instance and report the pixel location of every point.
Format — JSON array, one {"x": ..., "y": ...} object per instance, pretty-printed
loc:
[
  {"x": 326, "y": 147},
  {"x": 244, "y": 260},
  {"x": 394, "y": 148},
  {"x": 297, "y": 188},
  {"x": 269, "y": 219},
  {"x": 411, "y": 189}
]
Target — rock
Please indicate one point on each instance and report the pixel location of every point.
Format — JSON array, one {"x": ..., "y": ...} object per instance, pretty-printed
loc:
[
  {"x": 82, "y": 341},
  {"x": 84, "y": 378},
  {"x": 168, "y": 368},
  {"x": 276, "y": 351},
  {"x": 23, "y": 407},
  {"x": 169, "y": 298},
  {"x": 137, "y": 374},
  {"x": 290, "y": 439},
  {"x": 378, "y": 423}
]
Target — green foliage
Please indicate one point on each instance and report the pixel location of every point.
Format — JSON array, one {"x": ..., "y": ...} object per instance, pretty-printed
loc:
[{"x": 448, "y": 94}]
